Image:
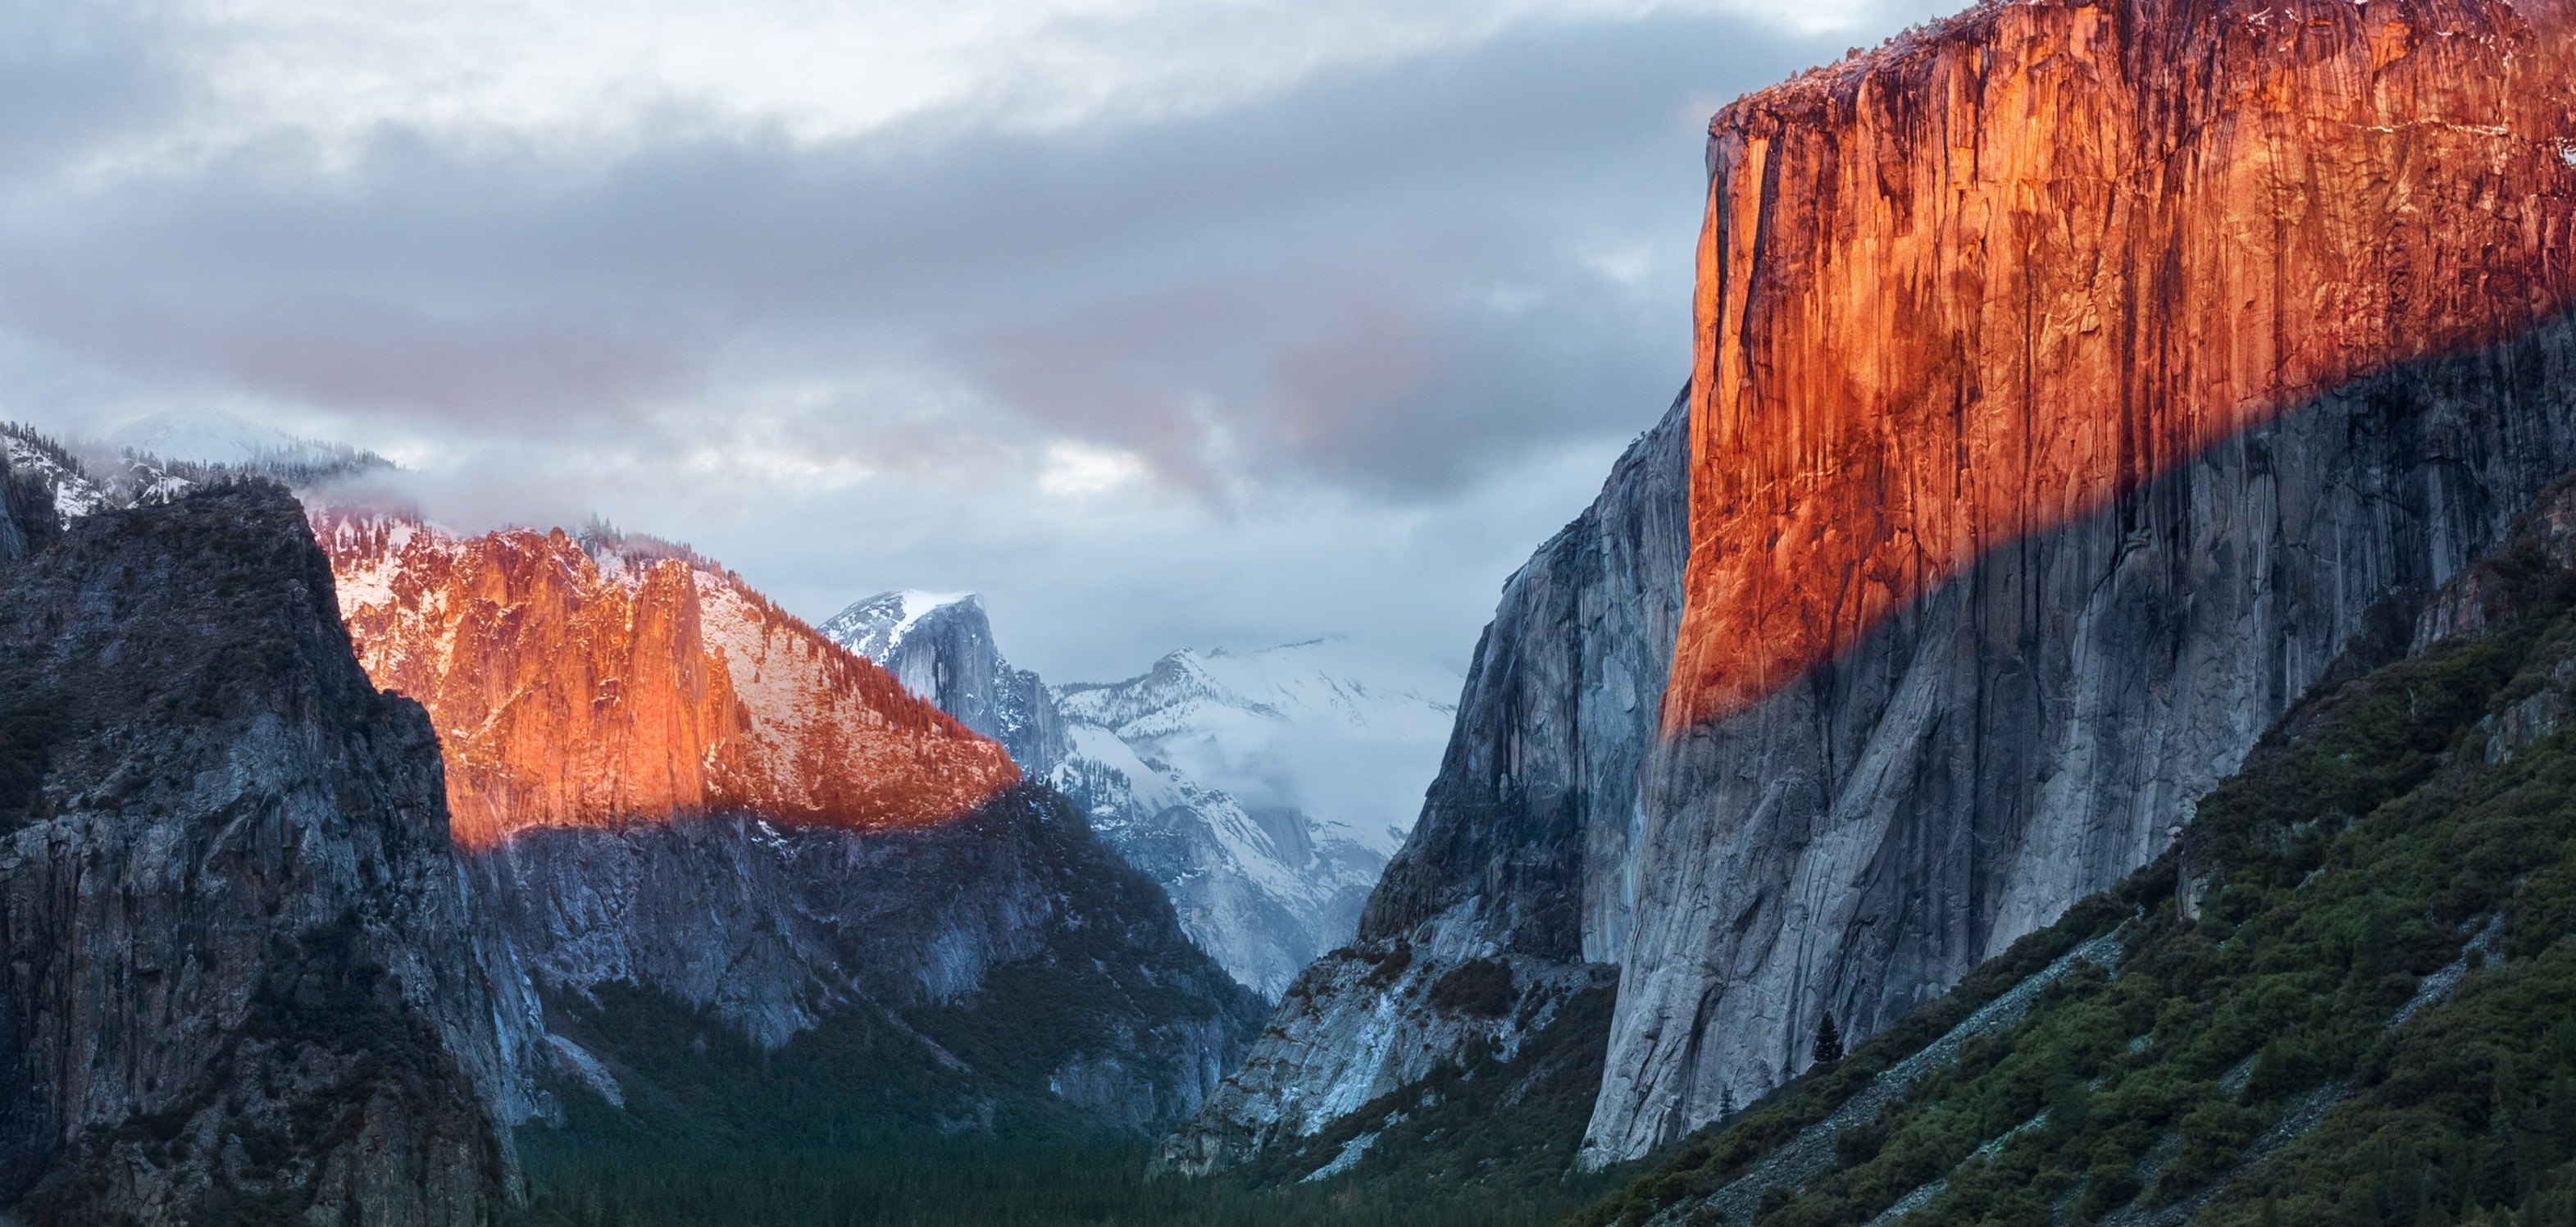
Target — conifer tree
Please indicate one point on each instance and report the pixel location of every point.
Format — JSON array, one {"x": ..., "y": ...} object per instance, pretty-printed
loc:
[{"x": 1829, "y": 1043}]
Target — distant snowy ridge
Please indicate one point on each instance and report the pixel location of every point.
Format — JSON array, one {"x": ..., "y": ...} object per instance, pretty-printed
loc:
[
  {"x": 1313, "y": 726},
  {"x": 1263, "y": 790}
]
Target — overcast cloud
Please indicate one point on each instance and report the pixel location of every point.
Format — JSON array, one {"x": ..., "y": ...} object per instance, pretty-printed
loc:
[{"x": 1158, "y": 322}]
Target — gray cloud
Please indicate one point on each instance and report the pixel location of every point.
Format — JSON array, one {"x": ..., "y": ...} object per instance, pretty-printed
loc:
[
  {"x": 1312, "y": 276},
  {"x": 1379, "y": 331}
]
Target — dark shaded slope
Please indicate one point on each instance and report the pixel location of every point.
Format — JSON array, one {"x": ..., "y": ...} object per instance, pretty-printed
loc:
[
  {"x": 1001, "y": 974},
  {"x": 2347, "y": 997},
  {"x": 238, "y": 979}
]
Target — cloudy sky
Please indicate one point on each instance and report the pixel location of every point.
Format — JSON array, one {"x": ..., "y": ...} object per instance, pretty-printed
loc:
[{"x": 1157, "y": 322}]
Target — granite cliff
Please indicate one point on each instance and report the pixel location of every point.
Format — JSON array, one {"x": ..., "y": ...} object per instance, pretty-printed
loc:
[
  {"x": 240, "y": 973},
  {"x": 940, "y": 646},
  {"x": 2077, "y": 384},
  {"x": 2201, "y": 341}
]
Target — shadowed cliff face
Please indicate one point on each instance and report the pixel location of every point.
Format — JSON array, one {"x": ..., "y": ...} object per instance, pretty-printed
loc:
[
  {"x": 240, "y": 979},
  {"x": 2077, "y": 383},
  {"x": 580, "y": 683},
  {"x": 1012, "y": 914},
  {"x": 1983, "y": 283}
]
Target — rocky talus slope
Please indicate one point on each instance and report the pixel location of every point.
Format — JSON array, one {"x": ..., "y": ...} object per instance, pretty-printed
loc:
[{"x": 240, "y": 976}]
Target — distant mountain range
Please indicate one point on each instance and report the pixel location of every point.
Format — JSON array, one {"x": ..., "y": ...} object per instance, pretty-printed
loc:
[
  {"x": 1265, "y": 790},
  {"x": 416, "y": 837}
]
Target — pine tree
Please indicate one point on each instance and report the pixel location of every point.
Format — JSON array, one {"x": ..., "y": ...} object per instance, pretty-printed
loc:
[{"x": 1829, "y": 1043}]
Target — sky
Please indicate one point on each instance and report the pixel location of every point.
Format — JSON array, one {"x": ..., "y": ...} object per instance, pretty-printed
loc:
[{"x": 1158, "y": 323}]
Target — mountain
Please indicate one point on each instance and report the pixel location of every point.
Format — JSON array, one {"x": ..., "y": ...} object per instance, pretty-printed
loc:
[
  {"x": 2346, "y": 996},
  {"x": 940, "y": 646},
  {"x": 1264, "y": 790},
  {"x": 242, "y": 979},
  {"x": 217, "y": 439},
  {"x": 597, "y": 680},
  {"x": 1317, "y": 726},
  {"x": 691, "y": 811},
  {"x": 2196, "y": 346}
]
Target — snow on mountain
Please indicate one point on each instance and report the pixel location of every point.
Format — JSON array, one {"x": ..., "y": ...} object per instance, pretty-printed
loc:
[
  {"x": 874, "y": 626},
  {"x": 1265, "y": 791},
  {"x": 75, "y": 494},
  {"x": 162, "y": 457},
  {"x": 1318, "y": 726}
]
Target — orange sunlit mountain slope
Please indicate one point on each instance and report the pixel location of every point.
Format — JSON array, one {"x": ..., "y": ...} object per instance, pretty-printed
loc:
[
  {"x": 597, "y": 680},
  {"x": 1987, "y": 281}
]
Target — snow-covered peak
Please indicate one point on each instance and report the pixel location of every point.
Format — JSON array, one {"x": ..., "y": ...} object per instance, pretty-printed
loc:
[
  {"x": 1323, "y": 681},
  {"x": 1320, "y": 726},
  {"x": 875, "y": 627}
]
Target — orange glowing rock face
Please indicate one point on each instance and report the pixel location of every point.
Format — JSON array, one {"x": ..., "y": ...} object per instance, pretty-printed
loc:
[
  {"x": 1987, "y": 280},
  {"x": 580, "y": 686}
]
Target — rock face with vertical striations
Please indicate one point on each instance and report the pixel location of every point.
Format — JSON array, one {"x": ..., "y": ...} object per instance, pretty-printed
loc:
[
  {"x": 240, "y": 978},
  {"x": 2197, "y": 343},
  {"x": 2076, "y": 384},
  {"x": 941, "y": 647}
]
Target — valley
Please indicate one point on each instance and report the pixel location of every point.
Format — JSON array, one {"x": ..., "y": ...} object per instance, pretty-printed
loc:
[{"x": 2063, "y": 719}]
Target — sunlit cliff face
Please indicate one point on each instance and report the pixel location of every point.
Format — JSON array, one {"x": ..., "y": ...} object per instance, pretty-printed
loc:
[
  {"x": 1976, "y": 286},
  {"x": 599, "y": 681}
]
